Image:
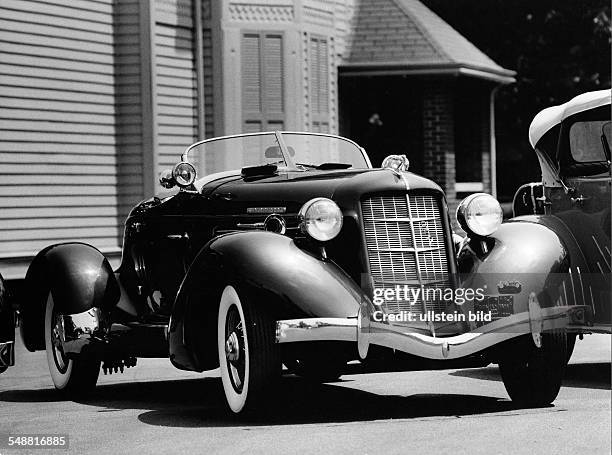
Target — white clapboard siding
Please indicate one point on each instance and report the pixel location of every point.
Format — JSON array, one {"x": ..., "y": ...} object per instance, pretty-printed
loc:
[
  {"x": 130, "y": 163},
  {"x": 175, "y": 80},
  {"x": 70, "y": 132}
]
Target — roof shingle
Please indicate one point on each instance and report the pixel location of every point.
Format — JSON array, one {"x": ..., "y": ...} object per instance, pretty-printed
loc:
[{"x": 407, "y": 34}]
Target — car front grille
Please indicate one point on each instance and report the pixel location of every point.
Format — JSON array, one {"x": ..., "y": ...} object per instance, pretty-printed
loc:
[{"x": 406, "y": 247}]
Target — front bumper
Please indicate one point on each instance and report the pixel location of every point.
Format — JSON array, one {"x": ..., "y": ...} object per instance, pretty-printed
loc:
[{"x": 364, "y": 331}]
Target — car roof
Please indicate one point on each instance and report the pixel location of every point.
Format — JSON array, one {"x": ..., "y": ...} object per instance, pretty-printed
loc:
[{"x": 552, "y": 116}]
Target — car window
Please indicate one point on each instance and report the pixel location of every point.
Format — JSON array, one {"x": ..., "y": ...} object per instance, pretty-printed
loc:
[
  {"x": 585, "y": 140},
  {"x": 317, "y": 150}
]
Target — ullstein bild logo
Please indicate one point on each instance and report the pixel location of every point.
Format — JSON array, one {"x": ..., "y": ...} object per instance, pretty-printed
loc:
[{"x": 430, "y": 316}]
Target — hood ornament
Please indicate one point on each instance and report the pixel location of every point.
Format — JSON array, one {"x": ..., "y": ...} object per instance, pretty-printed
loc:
[{"x": 396, "y": 163}]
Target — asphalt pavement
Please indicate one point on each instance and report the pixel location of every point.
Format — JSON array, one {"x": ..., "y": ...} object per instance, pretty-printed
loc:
[{"x": 154, "y": 408}]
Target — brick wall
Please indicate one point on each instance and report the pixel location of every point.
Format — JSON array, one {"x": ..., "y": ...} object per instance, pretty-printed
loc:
[
  {"x": 438, "y": 135},
  {"x": 485, "y": 139}
]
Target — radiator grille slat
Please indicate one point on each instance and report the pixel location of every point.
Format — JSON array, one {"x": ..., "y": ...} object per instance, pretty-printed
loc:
[{"x": 406, "y": 246}]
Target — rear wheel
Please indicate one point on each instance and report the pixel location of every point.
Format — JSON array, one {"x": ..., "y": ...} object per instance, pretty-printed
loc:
[
  {"x": 532, "y": 375},
  {"x": 249, "y": 359},
  {"x": 73, "y": 376}
]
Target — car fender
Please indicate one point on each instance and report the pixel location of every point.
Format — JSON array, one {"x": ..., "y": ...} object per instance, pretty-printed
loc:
[
  {"x": 79, "y": 278},
  {"x": 529, "y": 254},
  {"x": 7, "y": 315},
  {"x": 272, "y": 269}
]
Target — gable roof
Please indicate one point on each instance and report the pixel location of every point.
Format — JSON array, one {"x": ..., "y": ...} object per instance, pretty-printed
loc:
[{"x": 404, "y": 36}]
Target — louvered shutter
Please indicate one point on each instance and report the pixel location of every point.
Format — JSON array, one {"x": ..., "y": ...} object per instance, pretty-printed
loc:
[
  {"x": 319, "y": 84},
  {"x": 262, "y": 82}
]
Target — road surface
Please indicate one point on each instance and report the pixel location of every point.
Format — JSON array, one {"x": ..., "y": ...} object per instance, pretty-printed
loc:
[{"x": 154, "y": 408}]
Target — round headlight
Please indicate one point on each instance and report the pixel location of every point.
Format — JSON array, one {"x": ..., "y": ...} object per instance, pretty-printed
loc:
[
  {"x": 184, "y": 174},
  {"x": 321, "y": 218},
  {"x": 479, "y": 214}
]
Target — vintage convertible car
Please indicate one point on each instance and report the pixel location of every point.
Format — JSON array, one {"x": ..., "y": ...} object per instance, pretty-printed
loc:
[
  {"x": 572, "y": 142},
  {"x": 289, "y": 248}
]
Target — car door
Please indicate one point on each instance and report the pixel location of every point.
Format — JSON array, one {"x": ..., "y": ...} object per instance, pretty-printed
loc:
[{"x": 585, "y": 207}]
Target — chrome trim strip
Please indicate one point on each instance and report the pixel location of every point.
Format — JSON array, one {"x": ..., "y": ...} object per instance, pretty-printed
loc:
[
  {"x": 7, "y": 354},
  {"x": 603, "y": 256},
  {"x": 431, "y": 347},
  {"x": 417, "y": 263},
  {"x": 405, "y": 218},
  {"x": 258, "y": 225},
  {"x": 407, "y": 249},
  {"x": 595, "y": 328},
  {"x": 266, "y": 210},
  {"x": 316, "y": 329}
]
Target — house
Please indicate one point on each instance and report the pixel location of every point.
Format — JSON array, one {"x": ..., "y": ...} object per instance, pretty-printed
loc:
[{"x": 98, "y": 96}]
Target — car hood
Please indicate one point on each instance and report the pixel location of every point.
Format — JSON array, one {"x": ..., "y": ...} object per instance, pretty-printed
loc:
[
  {"x": 285, "y": 192},
  {"x": 291, "y": 190}
]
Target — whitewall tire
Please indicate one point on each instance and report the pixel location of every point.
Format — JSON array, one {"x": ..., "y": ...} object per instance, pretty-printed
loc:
[
  {"x": 249, "y": 360},
  {"x": 72, "y": 376}
]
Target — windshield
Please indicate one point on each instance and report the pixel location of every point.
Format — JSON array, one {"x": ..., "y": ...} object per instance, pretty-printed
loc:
[
  {"x": 317, "y": 150},
  {"x": 302, "y": 151},
  {"x": 588, "y": 140}
]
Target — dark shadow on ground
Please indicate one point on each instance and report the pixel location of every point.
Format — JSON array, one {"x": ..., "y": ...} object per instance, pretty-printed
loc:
[
  {"x": 200, "y": 403},
  {"x": 579, "y": 375}
]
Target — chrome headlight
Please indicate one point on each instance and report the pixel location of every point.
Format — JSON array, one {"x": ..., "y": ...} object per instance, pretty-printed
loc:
[
  {"x": 321, "y": 219},
  {"x": 184, "y": 174},
  {"x": 479, "y": 214}
]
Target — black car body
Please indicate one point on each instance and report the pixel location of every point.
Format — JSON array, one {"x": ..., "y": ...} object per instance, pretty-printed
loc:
[
  {"x": 7, "y": 329},
  {"x": 299, "y": 257},
  {"x": 572, "y": 142}
]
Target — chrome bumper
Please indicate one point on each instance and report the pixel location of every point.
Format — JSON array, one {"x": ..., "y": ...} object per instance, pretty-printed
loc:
[
  {"x": 7, "y": 354},
  {"x": 364, "y": 332},
  {"x": 81, "y": 329}
]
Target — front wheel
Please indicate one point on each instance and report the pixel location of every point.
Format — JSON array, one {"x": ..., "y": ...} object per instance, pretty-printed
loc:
[
  {"x": 73, "y": 376},
  {"x": 532, "y": 375},
  {"x": 249, "y": 359}
]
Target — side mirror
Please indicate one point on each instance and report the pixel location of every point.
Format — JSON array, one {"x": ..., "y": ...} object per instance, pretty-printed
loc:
[{"x": 166, "y": 179}]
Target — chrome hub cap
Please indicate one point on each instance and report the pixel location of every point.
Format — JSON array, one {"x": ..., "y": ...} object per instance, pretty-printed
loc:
[
  {"x": 61, "y": 362},
  {"x": 235, "y": 348},
  {"x": 232, "y": 346}
]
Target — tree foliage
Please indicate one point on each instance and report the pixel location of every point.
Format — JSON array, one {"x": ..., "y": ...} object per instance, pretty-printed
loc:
[{"x": 559, "y": 48}]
